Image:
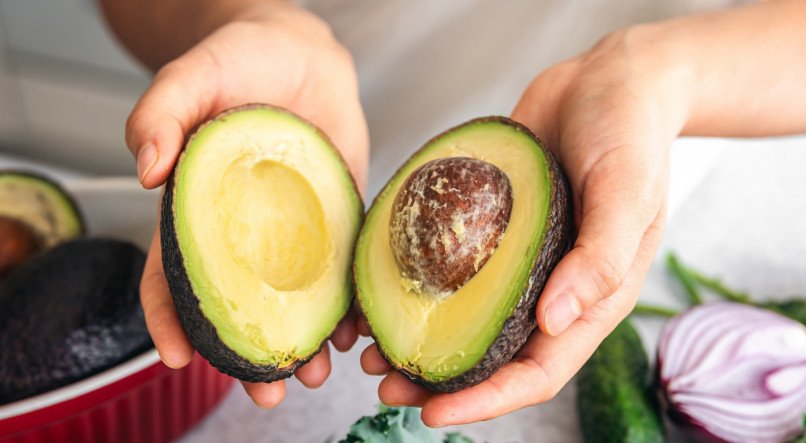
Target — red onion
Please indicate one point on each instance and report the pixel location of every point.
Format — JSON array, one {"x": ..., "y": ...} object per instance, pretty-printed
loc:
[{"x": 736, "y": 373}]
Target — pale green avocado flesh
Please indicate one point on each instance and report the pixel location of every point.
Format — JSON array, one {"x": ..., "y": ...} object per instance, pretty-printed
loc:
[{"x": 438, "y": 339}]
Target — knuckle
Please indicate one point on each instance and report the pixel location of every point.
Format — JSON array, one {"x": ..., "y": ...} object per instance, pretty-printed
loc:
[
  {"x": 535, "y": 376},
  {"x": 544, "y": 394},
  {"x": 169, "y": 69},
  {"x": 605, "y": 275},
  {"x": 611, "y": 39},
  {"x": 549, "y": 393},
  {"x": 132, "y": 125},
  {"x": 549, "y": 79},
  {"x": 343, "y": 55}
]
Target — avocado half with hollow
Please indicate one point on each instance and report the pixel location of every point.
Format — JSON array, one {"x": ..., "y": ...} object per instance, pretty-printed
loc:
[
  {"x": 456, "y": 249},
  {"x": 259, "y": 220}
]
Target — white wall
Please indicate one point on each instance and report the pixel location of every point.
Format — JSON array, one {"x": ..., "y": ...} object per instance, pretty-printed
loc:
[{"x": 66, "y": 87}]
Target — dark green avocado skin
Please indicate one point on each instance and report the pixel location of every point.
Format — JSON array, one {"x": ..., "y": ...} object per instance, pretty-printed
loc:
[
  {"x": 616, "y": 401},
  {"x": 69, "y": 313},
  {"x": 557, "y": 242},
  {"x": 201, "y": 332}
]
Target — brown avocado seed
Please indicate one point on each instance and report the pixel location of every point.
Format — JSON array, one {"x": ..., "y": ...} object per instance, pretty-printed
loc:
[
  {"x": 446, "y": 221},
  {"x": 17, "y": 243}
]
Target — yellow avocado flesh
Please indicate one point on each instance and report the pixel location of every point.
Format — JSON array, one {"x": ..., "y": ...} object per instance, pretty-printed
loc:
[
  {"x": 440, "y": 338},
  {"x": 265, "y": 223}
]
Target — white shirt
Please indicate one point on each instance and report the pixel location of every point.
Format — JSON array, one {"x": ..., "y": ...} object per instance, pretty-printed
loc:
[{"x": 425, "y": 66}]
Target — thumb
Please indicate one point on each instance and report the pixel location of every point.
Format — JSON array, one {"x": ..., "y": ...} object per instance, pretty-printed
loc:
[
  {"x": 621, "y": 198},
  {"x": 179, "y": 97}
]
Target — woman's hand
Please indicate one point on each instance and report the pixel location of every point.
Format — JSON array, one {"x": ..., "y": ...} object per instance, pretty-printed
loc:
[
  {"x": 609, "y": 115},
  {"x": 289, "y": 59}
]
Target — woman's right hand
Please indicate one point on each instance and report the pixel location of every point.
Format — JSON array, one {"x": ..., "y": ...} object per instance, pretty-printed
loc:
[{"x": 288, "y": 58}]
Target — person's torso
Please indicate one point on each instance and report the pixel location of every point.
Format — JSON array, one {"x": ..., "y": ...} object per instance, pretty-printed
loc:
[{"x": 424, "y": 66}]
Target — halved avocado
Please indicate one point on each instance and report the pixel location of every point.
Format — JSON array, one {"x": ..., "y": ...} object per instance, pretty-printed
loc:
[
  {"x": 259, "y": 221},
  {"x": 42, "y": 204},
  {"x": 449, "y": 341},
  {"x": 35, "y": 214}
]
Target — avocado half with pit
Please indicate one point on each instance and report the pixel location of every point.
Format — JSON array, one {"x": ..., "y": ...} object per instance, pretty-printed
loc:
[
  {"x": 259, "y": 220},
  {"x": 456, "y": 249},
  {"x": 35, "y": 214}
]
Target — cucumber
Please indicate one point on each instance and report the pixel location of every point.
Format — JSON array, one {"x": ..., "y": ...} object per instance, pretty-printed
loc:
[{"x": 615, "y": 398}]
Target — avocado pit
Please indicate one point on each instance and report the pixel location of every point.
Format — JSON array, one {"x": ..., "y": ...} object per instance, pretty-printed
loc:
[
  {"x": 18, "y": 242},
  {"x": 446, "y": 222}
]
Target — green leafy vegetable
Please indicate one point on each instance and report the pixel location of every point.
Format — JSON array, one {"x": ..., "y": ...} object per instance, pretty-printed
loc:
[
  {"x": 686, "y": 279},
  {"x": 397, "y": 425},
  {"x": 794, "y": 308},
  {"x": 653, "y": 310},
  {"x": 689, "y": 277},
  {"x": 718, "y": 287},
  {"x": 802, "y": 438},
  {"x": 456, "y": 437}
]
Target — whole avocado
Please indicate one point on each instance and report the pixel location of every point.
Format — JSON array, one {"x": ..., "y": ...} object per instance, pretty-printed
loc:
[{"x": 69, "y": 313}]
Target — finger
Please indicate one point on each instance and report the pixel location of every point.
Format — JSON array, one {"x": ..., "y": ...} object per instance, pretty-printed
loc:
[
  {"x": 361, "y": 326},
  {"x": 346, "y": 335},
  {"x": 397, "y": 390},
  {"x": 179, "y": 97},
  {"x": 162, "y": 320},
  {"x": 314, "y": 373},
  {"x": 372, "y": 362},
  {"x": 517, "y": 384},
  {"x": 265, "y": 395},
  {"x": 542, "y": 367},
  {"x": 620, "y": 197},
  {"x": 545, "y": 363}
]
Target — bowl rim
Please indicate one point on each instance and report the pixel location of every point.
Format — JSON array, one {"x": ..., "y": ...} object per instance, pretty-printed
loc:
[{"x": 81, "y": 387}]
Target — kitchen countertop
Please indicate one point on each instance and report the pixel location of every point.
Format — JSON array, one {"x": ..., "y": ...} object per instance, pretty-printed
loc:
[{"x": 742, "y": 219}]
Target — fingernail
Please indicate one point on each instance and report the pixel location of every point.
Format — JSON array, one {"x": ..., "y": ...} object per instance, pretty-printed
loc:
[
  {"x": 561, "y": 313},
  {"x": 264, "y": 406},
  {"x": 168, "y": 362},
  {"x": 146, "y": 159}
]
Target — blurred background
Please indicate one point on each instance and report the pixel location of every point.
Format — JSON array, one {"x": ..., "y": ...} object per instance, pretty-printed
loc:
[{"x": 66, "y": 86}]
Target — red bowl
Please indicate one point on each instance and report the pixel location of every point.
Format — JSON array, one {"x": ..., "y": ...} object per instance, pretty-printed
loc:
[{"x": 141, "y": 400}]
